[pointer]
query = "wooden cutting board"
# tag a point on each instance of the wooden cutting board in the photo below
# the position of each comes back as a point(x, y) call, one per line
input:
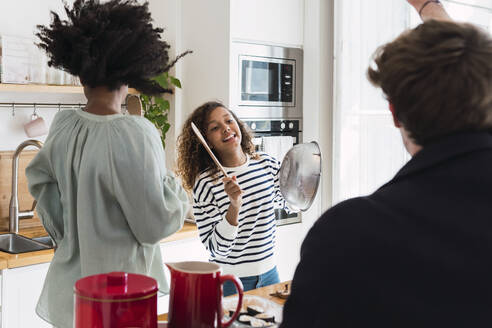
point(25, 199)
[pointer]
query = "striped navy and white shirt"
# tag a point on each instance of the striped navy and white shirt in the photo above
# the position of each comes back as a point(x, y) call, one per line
point(246, 249)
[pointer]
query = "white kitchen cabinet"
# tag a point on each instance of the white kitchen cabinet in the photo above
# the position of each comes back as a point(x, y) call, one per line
point(268, 21)
point(190, 249)
point(21, 288)
point(288, 241)
point(287, 249)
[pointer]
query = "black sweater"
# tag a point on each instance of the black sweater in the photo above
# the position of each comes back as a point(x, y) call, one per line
point(416, 253)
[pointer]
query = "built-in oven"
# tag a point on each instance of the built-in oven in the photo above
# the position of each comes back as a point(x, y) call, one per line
point(277, 129)
point(266, 81)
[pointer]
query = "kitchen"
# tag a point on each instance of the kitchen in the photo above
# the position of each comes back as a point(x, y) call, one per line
point(204, 76)
point(181, 21)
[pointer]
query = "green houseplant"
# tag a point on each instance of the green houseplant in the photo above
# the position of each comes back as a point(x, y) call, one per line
point(156, 109)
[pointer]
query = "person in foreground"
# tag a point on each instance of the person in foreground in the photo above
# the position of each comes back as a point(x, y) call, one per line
point(417, 252)
point(235, 216)
point(103, 192)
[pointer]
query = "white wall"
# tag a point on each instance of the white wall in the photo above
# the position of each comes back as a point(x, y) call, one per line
point(166, 14)
point(268, 21)
point(318, 88)
point(20, 18)
point(205, 73)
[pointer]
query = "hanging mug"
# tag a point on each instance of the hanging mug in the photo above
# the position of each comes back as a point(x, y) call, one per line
point(36, 126)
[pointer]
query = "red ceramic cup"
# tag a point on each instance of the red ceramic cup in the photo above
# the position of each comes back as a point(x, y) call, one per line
point(116, 299)
point(195, 298)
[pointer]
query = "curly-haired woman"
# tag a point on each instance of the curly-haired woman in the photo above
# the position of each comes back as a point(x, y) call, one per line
point(235, 216)
point(104, 194)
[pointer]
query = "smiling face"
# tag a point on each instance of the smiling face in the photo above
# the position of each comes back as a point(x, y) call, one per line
point(223, 132)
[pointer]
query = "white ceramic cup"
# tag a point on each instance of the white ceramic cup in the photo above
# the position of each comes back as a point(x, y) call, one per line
point(36, 126)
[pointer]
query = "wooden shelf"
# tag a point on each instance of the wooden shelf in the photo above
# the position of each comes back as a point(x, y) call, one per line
point(45, 88)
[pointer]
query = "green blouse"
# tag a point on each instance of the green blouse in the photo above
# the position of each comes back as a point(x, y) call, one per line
point(106, 198)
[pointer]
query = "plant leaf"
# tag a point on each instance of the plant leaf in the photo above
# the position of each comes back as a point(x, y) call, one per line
point(154, 111)
point(175, 81)
point(162, 103)
point(162, 80)
point(144, 98)
point(161, 120)
point(165, 128)
point(156, 108)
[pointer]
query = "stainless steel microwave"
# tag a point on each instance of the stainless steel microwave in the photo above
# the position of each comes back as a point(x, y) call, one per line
point(266, 81)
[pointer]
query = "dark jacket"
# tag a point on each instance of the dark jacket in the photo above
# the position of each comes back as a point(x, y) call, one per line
point(416, 253)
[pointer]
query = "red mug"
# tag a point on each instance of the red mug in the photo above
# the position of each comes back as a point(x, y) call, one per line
point(195, 298)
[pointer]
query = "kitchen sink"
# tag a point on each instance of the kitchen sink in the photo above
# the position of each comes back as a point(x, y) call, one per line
point(46, 240)
point(15, 244)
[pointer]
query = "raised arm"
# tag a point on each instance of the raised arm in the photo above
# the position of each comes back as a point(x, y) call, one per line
point(430, 9)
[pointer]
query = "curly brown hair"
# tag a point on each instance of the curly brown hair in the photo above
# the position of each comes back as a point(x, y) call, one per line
point(193, 159)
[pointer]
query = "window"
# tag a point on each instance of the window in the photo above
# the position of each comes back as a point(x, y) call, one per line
point(368, 150)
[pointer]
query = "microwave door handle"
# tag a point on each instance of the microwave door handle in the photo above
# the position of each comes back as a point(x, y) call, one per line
point(248, 78)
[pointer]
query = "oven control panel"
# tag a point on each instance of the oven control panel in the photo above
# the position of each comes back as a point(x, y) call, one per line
point(274, 125)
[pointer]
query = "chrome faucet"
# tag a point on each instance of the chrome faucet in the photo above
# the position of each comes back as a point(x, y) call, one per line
point(14, 213)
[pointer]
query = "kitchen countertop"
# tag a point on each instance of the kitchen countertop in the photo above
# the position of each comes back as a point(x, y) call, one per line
point(272, 289)
point(262, 292)
point(10, 261)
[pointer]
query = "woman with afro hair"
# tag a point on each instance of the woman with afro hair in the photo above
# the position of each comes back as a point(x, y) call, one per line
point(104, 194)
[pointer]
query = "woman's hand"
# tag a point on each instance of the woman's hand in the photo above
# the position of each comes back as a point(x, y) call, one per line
point(232, 189)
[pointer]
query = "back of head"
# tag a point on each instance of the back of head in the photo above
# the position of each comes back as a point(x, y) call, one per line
point(107, 44)
point(438, 76)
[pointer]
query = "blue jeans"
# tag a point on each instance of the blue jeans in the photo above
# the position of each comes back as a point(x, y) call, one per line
point(253, 282)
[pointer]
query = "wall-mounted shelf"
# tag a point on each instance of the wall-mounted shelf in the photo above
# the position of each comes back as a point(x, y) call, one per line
point(45, 88)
